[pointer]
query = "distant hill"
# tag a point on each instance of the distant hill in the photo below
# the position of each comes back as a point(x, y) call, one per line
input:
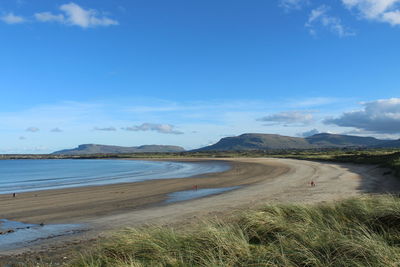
point(255, 141)
point(338, 140)
point(390, 144)
point(87, 149)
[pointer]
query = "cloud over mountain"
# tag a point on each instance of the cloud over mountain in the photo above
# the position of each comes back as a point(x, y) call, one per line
point(308, 133)
point(380, 116)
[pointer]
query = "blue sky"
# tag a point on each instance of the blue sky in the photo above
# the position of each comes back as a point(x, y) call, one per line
point(133, 72)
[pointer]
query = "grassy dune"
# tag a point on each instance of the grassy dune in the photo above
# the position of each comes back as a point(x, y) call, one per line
point(355, 232)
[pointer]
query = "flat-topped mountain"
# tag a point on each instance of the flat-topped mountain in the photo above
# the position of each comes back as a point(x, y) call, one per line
point(87, 149)
point(255, 141)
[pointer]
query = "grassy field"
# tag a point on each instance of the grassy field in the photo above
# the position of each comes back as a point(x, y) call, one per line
point(355, 232)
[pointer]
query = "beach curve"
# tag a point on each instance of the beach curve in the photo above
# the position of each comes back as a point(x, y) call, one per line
point(262, 180)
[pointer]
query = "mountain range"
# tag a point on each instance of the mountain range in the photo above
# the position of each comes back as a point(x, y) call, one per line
point(88, 149)
point(248, 141)
point(255, 141)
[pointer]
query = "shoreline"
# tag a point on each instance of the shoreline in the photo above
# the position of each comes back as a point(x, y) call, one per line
point(80, 204)
point(128, 174)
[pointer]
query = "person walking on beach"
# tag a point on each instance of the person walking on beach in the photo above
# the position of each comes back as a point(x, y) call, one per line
point(312, 183)
point(13, 194)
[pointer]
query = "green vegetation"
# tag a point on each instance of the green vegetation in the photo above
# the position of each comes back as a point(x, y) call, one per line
point(354, 232)
point(384, 158)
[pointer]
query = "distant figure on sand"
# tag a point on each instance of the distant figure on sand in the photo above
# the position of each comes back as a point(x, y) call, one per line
point(13, 194)
point(195, 187)
point(312, 184)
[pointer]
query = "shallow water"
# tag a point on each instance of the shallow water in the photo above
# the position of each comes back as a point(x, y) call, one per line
point(33, 175)
point(24, 235)
point(199, 193)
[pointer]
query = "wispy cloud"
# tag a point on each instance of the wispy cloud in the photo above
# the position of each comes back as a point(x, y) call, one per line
point(10, 18)
point(380, 10)
point(288, 117)
point(320, 17)
point(49, 17)
point(160, 128)
point(105, 129)
point(312, 102)
point(56, 130)
point(76, 15)
point(289, 5)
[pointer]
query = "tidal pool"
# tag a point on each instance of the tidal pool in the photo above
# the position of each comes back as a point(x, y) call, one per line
point(18, 235)
point(199, 193)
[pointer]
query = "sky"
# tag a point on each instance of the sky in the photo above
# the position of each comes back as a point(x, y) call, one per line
point(188, 73)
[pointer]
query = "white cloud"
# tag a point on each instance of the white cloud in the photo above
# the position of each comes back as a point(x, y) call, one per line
point(289, 117)
point(10, 18)
point(380, 10)
point(85, 18)
point(320, 16)
point(293, 4)
point(75, 15)
point(49, 17)
point(393, 17)
point(160, 128)
point(380, 116)
point(32, 129)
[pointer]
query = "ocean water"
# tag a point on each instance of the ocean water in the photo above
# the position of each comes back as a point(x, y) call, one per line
point(32, 175)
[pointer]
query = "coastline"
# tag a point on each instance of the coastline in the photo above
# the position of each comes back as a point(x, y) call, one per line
point(80, 204)
point(104, 209)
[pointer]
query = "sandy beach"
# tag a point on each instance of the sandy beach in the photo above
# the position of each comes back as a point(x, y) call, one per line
point(92, 202)
point(263, 181)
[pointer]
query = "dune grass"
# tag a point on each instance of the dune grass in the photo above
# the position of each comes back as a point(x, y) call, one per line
point(362, 231)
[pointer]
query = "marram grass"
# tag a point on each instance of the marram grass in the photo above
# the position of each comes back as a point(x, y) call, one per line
point(362, 231)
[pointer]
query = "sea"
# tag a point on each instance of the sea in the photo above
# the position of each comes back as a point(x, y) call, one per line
point(18, 176)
